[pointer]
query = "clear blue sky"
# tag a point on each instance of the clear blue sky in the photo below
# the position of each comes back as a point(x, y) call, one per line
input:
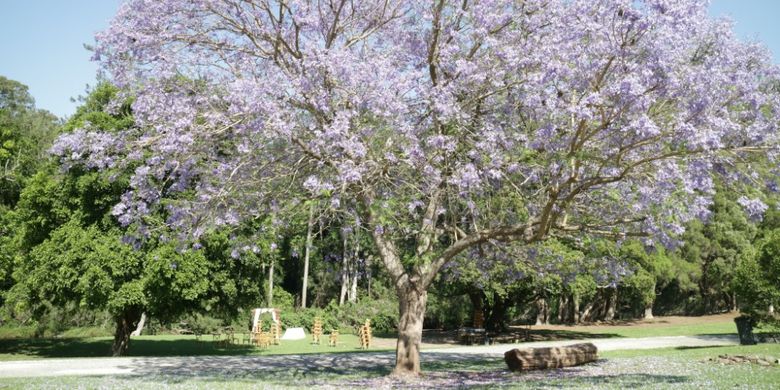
point(41, 41)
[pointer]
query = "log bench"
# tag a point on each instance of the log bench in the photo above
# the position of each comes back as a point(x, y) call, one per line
point(550, 357)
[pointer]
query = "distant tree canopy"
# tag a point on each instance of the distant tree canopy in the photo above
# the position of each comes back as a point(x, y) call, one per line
point(26, 134)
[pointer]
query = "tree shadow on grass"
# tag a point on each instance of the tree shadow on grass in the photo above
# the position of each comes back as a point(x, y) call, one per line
point(552, 335)
point(625, 381)
point(685, 348)
point(101, 347)
point(515, 335)
point(271, 368)
point(370, 370)
point(64, 347)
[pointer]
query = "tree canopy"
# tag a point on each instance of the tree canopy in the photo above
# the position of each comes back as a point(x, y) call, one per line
point(435, 126)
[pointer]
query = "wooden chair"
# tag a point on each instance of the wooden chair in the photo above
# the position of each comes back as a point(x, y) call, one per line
point(365, 335)
point(334, 338)
point(316, 331)
point(276, 332)
point(264, 339)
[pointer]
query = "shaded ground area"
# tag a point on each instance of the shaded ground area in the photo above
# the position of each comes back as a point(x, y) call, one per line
point(443, 371)
point(16, 349)
point(297, 367)
point(658, 326)
point(637, 327)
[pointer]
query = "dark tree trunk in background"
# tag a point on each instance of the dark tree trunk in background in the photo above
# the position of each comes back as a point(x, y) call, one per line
point(575, 309)
point(704, 288)
point(477, 298)
point(609, 314)
point(125, 324)
point(563, 302)
point(495, 321)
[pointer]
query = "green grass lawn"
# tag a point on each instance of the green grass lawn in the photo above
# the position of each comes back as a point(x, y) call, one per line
point(17, 348)
point(610, 331)
point(163, 345)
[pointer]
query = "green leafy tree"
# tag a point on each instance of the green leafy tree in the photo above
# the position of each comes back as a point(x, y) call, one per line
point(25, 135)
point(653, 270)
point(757, 280)
point(71, 249)
point(718, 247)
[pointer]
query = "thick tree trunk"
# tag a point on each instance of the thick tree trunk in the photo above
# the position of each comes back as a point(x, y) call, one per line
point(140, 327)
point(309, 239)
point(410, 325)
point(125, 323)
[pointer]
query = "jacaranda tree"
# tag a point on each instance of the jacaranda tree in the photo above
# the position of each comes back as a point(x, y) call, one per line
point(435, 125)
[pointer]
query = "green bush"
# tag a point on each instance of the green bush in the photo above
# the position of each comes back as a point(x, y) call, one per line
point(9, 331)
point(450, 312)
point(283, 300)
point(383, 314)
point(347, 318)
point(757, 281)
point(201, 324)
point(304, 318)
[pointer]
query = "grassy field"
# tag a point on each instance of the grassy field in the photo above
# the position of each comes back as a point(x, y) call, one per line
point(16, 344)
point(179, 345)
point(610, 331)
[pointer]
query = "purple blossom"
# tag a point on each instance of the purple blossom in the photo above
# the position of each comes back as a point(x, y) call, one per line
point(754, 208)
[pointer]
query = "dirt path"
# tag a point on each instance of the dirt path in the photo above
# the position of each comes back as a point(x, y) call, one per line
point(327, 364)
